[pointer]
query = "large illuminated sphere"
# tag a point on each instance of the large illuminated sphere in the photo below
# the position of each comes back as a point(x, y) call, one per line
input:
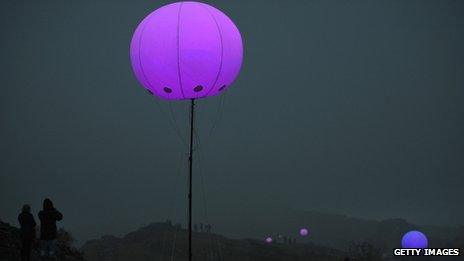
point(414, 239)
point(186, 50)
point(268, 240)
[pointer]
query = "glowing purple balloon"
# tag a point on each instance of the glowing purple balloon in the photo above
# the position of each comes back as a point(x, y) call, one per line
point(186, 50)
point(304, 232)
point(268, 240)
point(414, 239)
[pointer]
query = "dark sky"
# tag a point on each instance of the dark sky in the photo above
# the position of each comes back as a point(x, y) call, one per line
point(350, 107)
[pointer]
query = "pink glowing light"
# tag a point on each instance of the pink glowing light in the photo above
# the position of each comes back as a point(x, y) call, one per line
point(304, 232)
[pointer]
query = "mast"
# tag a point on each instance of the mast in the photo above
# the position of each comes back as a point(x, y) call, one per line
point(192, 114)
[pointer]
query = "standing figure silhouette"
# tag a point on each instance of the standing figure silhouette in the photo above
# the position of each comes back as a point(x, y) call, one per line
point(27, 223)
point(48, 231)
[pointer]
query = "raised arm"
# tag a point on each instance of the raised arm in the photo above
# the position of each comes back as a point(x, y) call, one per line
point(58, 215)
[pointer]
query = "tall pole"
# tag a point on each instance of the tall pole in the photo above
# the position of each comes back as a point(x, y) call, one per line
point(192, 109)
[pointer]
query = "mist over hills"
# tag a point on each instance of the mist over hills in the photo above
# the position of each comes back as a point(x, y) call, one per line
point(162, 241)
point(331, 237)
point(332, 230)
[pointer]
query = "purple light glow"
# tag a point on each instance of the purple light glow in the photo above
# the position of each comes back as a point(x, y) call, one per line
point(268, 240)
point(414, 239)
point(304, 232)
point(186, 50)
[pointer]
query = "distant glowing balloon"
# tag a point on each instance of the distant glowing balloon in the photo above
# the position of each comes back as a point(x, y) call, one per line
point(414, 239)
point(304, 232)
point(186, 50)
point(268, 240)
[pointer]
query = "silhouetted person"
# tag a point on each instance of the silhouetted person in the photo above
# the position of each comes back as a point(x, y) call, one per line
point(48, 231)
point(27, 223)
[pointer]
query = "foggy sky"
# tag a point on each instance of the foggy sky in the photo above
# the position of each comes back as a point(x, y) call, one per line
point(350, 107)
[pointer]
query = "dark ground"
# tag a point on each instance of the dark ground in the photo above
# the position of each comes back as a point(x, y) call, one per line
point(10, 245)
